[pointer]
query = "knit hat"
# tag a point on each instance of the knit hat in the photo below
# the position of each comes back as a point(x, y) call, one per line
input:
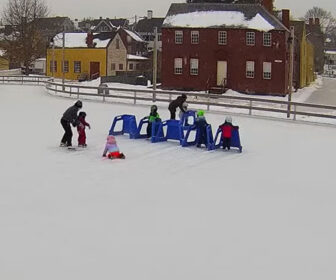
point(200, 113)
point(228, 119)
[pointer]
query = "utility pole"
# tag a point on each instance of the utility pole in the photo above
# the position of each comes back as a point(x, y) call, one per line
point(155, 59)
point(291, 68)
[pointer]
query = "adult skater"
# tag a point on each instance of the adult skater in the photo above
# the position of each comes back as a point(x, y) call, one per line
point(178, 102)
point(69, 117)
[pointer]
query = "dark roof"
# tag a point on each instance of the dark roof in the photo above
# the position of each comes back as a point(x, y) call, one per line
point(147, 25)
point(105, 35)
point(51, 22)
point(249, 11)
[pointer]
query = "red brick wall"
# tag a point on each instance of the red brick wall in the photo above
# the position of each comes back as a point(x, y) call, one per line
point(236, 53)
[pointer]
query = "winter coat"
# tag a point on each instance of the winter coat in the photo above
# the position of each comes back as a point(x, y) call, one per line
point(111, 145)
point(178, 102)
point(201, 122)
point(227, 129)
point(154, 116)
point(82, 123)
point(70, 115)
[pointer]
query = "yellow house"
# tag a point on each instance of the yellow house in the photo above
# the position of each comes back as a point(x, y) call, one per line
point(4, 64)
point(305, 55)
point(83, 62)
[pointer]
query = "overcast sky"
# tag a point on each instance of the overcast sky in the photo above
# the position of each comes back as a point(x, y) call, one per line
point(128, 8)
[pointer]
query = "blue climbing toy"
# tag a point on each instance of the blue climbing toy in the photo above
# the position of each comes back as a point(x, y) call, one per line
point(174, 131)
point(235, 140)
point(129, 125)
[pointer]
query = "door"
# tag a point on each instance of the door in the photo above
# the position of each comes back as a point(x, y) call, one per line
point(94, 70)
point(221, 73)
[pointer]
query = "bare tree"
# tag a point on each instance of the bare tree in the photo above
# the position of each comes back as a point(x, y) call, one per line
point(327, 21)
point(23, 45)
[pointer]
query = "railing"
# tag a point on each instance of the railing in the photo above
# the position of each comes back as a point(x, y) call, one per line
point(19, 79)
point(213, 102)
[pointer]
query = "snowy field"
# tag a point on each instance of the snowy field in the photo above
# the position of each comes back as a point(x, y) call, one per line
point(166, 212)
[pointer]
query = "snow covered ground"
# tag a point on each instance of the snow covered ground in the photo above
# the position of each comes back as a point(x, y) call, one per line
point(166, 212)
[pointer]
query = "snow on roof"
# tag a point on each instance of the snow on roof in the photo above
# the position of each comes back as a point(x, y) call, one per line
point(136, 57)
point(203, 19)
point(77, 40)
point(135, 36)
point(331, 52)
point(2, 52)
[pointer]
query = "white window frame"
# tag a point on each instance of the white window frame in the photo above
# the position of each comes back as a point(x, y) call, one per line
point(178, 37)
point(194, 65)
point(267, 39)
point(194, 36)
point(250, 38)
point(250, 69)
point(178, 66)
point(267, 70)
point(222, 38)
point(77, 67)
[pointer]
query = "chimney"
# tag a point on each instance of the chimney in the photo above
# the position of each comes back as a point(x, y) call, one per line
point(311, 21)
point(317, 21)
point(100, 18)
point(268, 4)
point(149, 14)
point(285, 18)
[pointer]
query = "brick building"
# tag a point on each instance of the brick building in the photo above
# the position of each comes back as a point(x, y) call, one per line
point(238, 46)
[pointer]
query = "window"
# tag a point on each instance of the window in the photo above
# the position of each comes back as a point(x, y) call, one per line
point(194, 37)
point(53, 68)
point(178, 37)
point(117, 44)
point(178, 66)
point(66, 66)
point(77, 67)
point(267, 39)
point(131, 66)
point(113, 67)
point(222, 37)
point(121, 66)
point(267, 70)
point(193, 66)
point(249, 69)
point(250, 38)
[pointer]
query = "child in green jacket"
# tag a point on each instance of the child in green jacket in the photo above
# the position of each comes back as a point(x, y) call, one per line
point(153, 117)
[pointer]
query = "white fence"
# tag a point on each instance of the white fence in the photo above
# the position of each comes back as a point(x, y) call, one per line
point(214, 102)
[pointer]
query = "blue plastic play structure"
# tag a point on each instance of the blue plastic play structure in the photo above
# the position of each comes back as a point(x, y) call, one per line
point(179, 130)
point(235, 140)
point(129, 125)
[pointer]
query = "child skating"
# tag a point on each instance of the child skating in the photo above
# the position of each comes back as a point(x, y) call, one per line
point(227, 127)
point(111, 149)
point(81, 129)
point(153, 117)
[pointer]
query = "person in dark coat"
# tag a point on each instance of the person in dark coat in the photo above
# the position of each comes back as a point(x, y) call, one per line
point(177, 103)
point(201, 125)
point(69, 117)
point(227, 127)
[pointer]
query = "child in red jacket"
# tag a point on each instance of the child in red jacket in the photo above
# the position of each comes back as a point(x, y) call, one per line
point(227, 129)
point(81, 129)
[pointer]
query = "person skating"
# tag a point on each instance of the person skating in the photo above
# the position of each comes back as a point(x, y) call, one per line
point(153, 117)
point(69, 117)
point(81, 129)
point(201, 125)
point(111, 148)
point(178, 102)
point(227, 128)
